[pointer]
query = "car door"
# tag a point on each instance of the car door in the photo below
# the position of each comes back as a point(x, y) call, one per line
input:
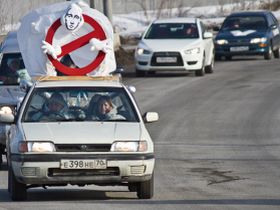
point(275, 30)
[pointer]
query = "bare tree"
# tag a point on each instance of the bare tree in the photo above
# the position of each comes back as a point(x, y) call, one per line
point(3, 15)
point(144, 6)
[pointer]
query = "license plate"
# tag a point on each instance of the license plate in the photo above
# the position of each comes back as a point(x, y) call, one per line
point(166, 59)
point(239, 49)
point(83, 164)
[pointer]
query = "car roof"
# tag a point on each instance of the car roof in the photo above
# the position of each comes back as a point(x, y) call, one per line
point(177, 20)
point(10, 43)
point(250, 13)
point(78, 81)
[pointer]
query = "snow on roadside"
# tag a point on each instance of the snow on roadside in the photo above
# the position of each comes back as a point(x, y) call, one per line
point(134, 24)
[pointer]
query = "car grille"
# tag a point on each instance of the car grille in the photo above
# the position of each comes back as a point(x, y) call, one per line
point(177, 55)
point(56, 172)
point(83, 147)
point(239, 41)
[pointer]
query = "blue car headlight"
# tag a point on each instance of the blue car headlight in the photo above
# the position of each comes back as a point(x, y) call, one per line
point(258, 40)
point(221, 41)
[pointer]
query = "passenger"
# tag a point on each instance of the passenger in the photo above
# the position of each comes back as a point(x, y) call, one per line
point(67, 61)
point(14, 65)
point(55, 109)
point(105, 110)
point(11, 76)
point(191, 32)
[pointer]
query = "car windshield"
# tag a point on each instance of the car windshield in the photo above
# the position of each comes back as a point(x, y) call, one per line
point(256, 23)
point(79, 104)
point(172, 31)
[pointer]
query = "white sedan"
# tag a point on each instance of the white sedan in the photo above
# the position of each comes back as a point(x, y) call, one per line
point(79, 131)
point(178, 44)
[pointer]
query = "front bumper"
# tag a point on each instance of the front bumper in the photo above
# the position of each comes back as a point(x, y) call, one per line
point(253, 49)
point(184, 62)
point(45, 169)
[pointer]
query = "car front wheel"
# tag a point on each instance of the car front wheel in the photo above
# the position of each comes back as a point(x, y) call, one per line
point(2, 152)
point(145, 190)
point(276, 53)
point(16, 189)
point(209, 69)
point(268, 54)
point(140, 73)
point(201, 72)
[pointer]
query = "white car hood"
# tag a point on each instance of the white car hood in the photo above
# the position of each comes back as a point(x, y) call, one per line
point(164, 45)
point(81, 132)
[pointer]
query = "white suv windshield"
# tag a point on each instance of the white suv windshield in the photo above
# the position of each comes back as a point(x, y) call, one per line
point(79, 104)
point(172, 31)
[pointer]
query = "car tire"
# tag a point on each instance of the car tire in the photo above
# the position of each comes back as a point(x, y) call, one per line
point(140, 73)
point(201, 72)
point(228, 57)
point(276, 53)
point(210, 69)
point(132, 187)
point(16, 189)
point(218, 58)
point(2, 152)
point(145, 190)
point(151, 72)
point(268, 55)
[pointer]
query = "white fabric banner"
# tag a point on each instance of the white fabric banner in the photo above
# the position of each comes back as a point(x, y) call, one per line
point(35, 26)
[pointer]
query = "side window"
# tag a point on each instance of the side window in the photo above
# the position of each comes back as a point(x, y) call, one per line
point(271, 22)
point(275, 21)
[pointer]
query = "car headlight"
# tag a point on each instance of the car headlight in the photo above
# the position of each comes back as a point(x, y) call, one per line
point(141, 51)
point(129, 146)
point(36, 147)
point(221, 41)
point(258, 40)
point(193, 51)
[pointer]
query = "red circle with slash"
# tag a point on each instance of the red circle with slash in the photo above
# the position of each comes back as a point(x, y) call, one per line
point(98, 33)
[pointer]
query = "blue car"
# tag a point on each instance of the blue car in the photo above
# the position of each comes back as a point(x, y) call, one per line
point(248, 33)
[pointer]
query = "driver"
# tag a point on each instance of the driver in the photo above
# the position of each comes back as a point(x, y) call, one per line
point(55, 109)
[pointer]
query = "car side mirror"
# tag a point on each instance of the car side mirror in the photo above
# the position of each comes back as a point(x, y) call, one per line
point(131, 89)
point(138, 36)
point(273, 27)
point(25, 85)
point(8, 118)
point(207, 35)
point(150, 117)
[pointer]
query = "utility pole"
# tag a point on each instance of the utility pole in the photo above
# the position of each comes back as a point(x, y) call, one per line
point(107, 9)
point(92, 4)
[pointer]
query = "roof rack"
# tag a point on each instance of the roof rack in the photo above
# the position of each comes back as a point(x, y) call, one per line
point(73, 78)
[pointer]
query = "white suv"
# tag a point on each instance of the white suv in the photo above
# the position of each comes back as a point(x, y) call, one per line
point(76, 145)
point(177, 44)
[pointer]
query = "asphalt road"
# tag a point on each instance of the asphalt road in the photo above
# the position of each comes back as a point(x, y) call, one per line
point(217, 144)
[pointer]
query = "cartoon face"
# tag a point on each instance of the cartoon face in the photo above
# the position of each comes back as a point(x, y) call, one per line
point(73, 17)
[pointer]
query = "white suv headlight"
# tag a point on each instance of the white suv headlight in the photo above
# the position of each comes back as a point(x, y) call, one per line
point(193, 51)
point(141, 51)
point(258, 40)
point(36, 147)
point(129, 146)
